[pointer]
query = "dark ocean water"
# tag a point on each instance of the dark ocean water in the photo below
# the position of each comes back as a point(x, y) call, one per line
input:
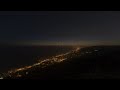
point(18, 56)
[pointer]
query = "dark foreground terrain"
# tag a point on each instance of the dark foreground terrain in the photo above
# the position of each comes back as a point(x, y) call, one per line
point(97, 62)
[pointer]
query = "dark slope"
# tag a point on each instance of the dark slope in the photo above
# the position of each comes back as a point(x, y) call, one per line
point(98, 62)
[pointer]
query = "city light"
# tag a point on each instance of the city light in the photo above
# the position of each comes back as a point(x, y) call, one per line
point(46, 62)
point(1, 77)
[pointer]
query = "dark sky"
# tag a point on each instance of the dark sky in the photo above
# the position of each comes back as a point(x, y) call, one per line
point(59, 27)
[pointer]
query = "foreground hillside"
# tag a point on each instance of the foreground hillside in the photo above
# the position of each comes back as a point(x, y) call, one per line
point(97, 62)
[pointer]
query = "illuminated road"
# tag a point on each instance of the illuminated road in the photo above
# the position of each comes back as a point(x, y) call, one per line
point(44, 63)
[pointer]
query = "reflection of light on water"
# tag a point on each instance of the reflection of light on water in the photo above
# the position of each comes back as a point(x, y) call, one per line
point(50, 61)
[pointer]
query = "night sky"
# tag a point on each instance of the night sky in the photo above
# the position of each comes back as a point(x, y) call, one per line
point(60, 27)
